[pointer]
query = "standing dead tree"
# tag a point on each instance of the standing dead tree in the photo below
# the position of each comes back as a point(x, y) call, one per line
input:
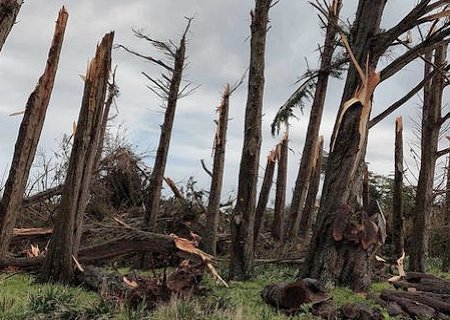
point(431, 124)
point(398, 232)
point(212, 214)
point(280, 193)
point(264, 194)
point(64, 246)
point(28, 138)
point(320, 86)
point(168, 89)
point(9, 9)
point(347, 264)
point(242, 228)
point(310, 202)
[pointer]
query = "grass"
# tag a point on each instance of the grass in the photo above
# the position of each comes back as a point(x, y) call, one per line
point(21, 298)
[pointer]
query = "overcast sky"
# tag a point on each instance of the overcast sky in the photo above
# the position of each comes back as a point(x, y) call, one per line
point(218, 53)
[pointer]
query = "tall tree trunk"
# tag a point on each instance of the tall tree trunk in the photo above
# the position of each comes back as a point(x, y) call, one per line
point(280, 193)
point(264, 194)
point(9, 9)
point(28, 138)
point(398, 232)
point(315, 119)
point(241, 265)
point(431, 115)
point(159, 166)
point(58, 265)
point(212, 215)
point(306, 221)
point(446, 259)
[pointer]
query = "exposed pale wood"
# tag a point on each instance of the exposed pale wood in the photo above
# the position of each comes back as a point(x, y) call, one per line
point(280, 192)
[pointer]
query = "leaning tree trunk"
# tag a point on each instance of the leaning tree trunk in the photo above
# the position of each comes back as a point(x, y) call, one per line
point(280, 193)
point(28, 139)
point(398, 227)
point(212, 215)
point(431, 115)
point(306, 221)
point(241, 265)
point(315, 119)
point(9, 9)
point(58, 265)
point(159, 167)
point(264, 194)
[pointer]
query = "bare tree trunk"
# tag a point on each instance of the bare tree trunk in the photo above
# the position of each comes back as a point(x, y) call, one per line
point(446, 259)
point(28, 138)
point(398, 232)
point(212, 216)
point(159, 167)
point(315, 119)
point(58, 265)
point(431, 115)
point(306, 221)
point(264, 194)
point(9, 9)
point(280, 194)
point(241, 265)
point(365, 189)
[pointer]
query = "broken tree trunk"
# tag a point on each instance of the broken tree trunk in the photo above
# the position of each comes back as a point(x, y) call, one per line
point(431, 115)
point(310, 203)
point(280, 193)
point(28, 138)
point(65, 244)
point(315, 119)
point(159, 166)
point(243, 221)
point(264, 194)
point(398, 227)
point(9, 9)
point(212, 215)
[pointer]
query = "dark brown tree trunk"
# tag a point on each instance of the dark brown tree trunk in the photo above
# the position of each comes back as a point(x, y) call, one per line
point(28, 138)
point(280, 193)
point(264, 194)
point(365, 189)
point(315, 119)
point(241, 265)
point(310, 203)
point(446, 259)
point(212, 215)
point(9, 9)
point(431, 115)
point(159, 166)
point(398, 232)
point(58, 265)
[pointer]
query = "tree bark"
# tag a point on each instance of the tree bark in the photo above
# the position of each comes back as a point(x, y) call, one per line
point(264, 194)
point(212, 215)
point(28, 138)
point(280, 193)
point(157, 176)
point(9, 9)
point(306, 221)
point(446, 259)
point(431, 115)
point(398, 232)
point(58, 265)
point(315, 119)
point(241, 265)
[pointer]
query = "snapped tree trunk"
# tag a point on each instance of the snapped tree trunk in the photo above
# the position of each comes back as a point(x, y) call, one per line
point(28, 138)
point(264, 194)
point(398, 227)
point(212, 215)
point(9, 9)
point(315, 119)
point(431, 115)
point(310, 203)
point(159, 166)
point(242, 229)
point(280, 193)
point(58, 265)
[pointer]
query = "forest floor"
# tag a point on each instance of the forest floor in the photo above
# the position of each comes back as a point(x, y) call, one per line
point(22, 298)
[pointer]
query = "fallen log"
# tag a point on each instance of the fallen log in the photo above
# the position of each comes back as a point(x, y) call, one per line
point(439, 302)
point(41, 196)
point(30, 235)
point(411, 307)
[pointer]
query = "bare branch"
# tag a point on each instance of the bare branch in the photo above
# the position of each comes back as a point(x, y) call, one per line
point(442, 152)
point(202, 161)
point(444, 118)
point(149, 58)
